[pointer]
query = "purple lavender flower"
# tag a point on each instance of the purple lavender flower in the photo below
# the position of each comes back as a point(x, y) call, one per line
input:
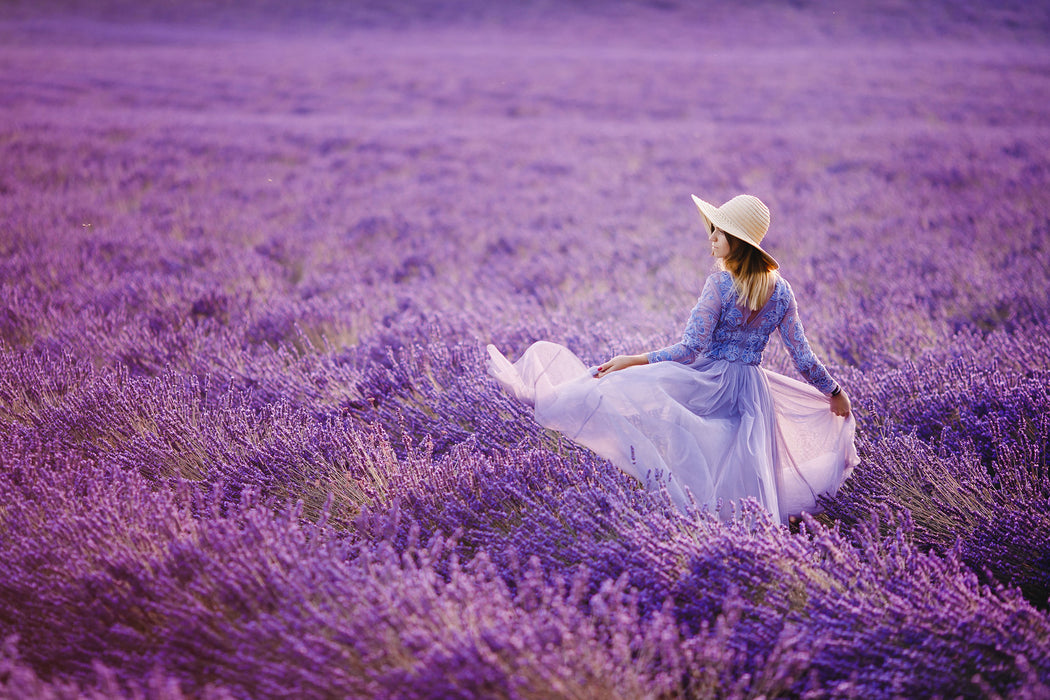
point(249, 258)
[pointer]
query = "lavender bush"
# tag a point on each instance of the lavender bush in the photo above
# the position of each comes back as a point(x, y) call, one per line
point(251, 256)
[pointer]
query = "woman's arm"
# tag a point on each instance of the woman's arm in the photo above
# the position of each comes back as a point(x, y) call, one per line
point(794, 336)
point(695, 339)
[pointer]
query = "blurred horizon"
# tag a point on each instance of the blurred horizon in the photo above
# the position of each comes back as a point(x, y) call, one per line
point(656, 23)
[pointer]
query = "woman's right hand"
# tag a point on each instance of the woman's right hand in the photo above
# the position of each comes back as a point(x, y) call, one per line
point(840, 404)
point(620, 362)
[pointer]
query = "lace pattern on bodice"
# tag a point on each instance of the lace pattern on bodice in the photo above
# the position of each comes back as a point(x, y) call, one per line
point(718, 329)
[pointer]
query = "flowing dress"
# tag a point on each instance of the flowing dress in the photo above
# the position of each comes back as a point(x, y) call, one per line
point(702, 419)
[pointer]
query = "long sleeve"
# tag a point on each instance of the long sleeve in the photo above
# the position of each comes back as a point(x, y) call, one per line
point(806, 362)
point(698, 331)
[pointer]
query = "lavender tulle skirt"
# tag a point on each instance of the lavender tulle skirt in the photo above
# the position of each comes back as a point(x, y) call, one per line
point(710, 431)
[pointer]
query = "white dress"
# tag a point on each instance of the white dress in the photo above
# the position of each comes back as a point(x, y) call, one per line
point(703, 419)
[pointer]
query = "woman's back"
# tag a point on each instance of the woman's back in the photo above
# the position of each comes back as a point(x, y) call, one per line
point(740, 335)
point(719, 328)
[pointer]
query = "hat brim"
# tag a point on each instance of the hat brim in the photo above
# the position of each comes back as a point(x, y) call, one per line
point(713, 217)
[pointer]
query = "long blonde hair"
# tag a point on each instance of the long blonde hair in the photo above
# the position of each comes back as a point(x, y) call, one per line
point(753, 273)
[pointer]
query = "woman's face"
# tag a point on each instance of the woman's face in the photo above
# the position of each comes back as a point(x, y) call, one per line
point(719, 242)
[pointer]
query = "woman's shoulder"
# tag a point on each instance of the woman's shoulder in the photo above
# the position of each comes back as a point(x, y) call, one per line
point(720, 281)
point(784, 295)
point(720, 278)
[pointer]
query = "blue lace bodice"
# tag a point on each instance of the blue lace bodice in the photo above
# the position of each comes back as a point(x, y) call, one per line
point(718, 329)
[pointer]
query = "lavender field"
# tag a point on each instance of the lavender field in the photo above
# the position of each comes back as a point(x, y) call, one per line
point(250, 259)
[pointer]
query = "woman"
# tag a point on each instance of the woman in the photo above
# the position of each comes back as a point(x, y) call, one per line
point(700, 417)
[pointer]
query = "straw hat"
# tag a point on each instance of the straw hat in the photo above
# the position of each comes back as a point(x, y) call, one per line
point(744, 217)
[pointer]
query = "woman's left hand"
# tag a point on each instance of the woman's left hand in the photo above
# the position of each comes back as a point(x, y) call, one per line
point(840, 405)
point(620, 362)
